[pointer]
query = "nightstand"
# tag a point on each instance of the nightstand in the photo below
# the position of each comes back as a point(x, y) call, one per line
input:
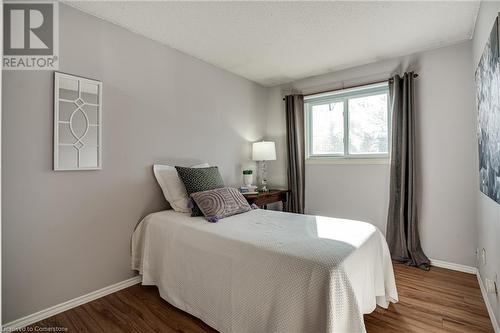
point(262, 199)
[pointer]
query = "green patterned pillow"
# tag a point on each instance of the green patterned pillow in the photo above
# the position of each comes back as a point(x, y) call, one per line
point(198, 180)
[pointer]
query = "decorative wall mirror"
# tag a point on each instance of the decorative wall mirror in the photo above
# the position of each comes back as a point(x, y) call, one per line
point(77, 123)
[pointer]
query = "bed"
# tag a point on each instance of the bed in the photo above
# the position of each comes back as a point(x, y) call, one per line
point(267, 271)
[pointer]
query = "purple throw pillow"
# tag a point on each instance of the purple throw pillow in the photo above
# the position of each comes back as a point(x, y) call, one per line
point(221, 202)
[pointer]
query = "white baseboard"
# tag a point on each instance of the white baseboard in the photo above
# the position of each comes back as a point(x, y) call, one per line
point(494, 322)
point(72, 303)
point(453, 266)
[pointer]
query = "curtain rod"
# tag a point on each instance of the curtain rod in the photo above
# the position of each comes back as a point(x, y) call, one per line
point(415, 75)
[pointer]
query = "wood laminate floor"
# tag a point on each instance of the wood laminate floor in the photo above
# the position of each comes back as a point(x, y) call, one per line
point(439, 300)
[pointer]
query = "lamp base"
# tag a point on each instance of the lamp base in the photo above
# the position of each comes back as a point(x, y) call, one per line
point(263, 189)
point(263, 177)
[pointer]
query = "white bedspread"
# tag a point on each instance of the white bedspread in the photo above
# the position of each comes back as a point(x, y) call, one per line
point(267, 271)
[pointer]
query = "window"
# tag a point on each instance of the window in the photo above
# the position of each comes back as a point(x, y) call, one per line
point(351, 123)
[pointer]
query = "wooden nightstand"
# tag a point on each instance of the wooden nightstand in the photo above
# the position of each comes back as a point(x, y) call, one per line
point(262, 199)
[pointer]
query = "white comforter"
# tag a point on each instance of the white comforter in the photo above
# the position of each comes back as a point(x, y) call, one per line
point(267, 271)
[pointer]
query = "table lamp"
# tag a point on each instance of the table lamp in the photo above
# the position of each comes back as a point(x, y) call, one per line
point(263, 151)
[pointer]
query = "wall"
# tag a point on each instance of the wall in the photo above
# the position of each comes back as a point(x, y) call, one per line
point(68, 233)
point(488, 217)
point(446, 151)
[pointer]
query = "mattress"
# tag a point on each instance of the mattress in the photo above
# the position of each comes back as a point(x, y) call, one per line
point(267, 271)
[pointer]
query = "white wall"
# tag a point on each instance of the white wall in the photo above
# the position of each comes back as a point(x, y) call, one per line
point(446, 152)
point(488, 218)
point(357, 192)
point(276, 131)
point(66, 234)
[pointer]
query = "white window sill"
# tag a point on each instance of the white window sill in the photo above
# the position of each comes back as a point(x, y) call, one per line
point(343, 160)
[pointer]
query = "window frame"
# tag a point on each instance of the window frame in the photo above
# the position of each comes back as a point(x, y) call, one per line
point(344, 96)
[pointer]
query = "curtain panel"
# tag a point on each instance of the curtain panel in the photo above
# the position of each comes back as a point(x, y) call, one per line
point(402, 221)
point(295, 141)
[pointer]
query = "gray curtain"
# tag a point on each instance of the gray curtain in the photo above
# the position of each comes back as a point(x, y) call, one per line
point(402, 221)
point(295, 141)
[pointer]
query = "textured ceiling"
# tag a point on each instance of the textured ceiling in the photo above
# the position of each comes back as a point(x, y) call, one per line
point(277, 42)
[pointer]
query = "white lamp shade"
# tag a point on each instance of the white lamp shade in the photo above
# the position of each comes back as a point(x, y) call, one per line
point(264, 151)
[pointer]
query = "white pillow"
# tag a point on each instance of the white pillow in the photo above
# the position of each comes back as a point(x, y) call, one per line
point(172, 186)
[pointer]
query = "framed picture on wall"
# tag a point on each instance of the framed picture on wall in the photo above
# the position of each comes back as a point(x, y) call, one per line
point(77, 123)
point(487, 79)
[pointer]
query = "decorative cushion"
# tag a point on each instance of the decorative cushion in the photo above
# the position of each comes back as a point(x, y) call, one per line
point(198, 180)
point(172, 186)
point(221, 202)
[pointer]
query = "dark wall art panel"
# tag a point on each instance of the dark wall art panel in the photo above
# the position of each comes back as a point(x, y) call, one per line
point(488, 102)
